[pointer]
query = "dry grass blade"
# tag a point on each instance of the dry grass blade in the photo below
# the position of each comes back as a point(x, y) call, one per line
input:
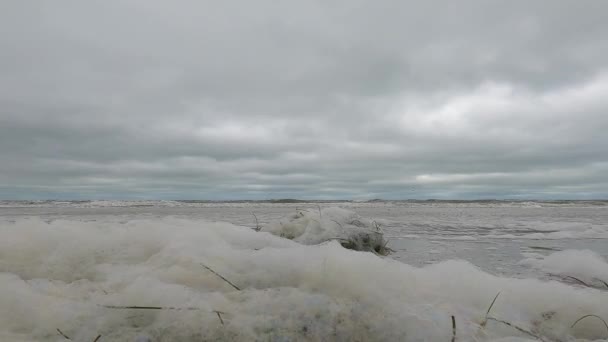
point(603, 282)
point(97, 338)
point(219, 315)
point(64, 335)
point(338, 224)
point(491, 305)
point(386, 250)
point(136, 307)
point(385, 244)
point(578, 280)
point(485, 320)
point(319, 207)
point(529, 333)
point(586, 316)
point(453, 328)
point(488, 318)
point(257, 223)
point(222, 277)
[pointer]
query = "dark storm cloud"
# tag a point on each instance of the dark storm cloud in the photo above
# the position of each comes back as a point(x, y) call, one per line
point(356, 99)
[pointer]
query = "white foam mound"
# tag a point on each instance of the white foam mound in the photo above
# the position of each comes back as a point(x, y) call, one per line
point(79, 277)
point(312, 227)
point(583, 266)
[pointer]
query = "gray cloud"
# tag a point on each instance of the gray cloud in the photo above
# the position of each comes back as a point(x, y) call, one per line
point(335, 99)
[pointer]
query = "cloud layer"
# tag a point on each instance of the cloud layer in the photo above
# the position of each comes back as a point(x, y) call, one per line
point(318, 99)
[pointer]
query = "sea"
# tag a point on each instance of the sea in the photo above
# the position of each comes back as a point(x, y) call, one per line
point(168, 271)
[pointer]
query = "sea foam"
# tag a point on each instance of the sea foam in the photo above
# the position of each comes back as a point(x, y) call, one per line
point(217, 281)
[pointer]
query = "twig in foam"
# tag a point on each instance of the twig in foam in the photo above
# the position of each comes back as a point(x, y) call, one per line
point(222, 277)
point(64, 335)
point(586, 316)
point(97, 338)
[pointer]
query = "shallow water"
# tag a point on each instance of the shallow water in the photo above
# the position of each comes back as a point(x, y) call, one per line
point(63, 263)
point(490, 234)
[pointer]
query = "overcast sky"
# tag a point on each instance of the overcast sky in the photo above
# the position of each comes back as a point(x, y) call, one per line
point(308, 99)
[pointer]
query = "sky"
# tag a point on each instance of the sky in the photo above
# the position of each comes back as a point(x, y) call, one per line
point(146, 99)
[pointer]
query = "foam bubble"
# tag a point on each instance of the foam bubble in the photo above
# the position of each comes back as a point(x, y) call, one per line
point(584, 265)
